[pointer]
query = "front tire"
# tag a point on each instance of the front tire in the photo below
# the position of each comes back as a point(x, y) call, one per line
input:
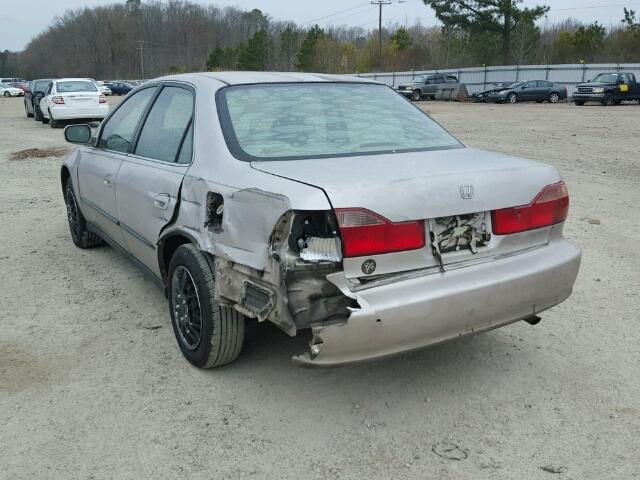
point(512, 98)
point(607, 101)
point(81, 237)
point(416, 96)
point(208, 334)
point(7, 94)
point(579, 103)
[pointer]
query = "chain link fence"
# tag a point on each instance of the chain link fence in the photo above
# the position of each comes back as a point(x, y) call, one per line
point(479, 78)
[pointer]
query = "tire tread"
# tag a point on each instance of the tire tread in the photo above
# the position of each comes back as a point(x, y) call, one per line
point(227, 332)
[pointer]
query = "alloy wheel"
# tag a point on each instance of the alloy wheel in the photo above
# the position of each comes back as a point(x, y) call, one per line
point(554, 98)
point(187, 313)
point(512, 98)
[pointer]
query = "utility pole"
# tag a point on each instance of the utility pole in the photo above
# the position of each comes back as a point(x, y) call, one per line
point(380, 4)
point(141, 48)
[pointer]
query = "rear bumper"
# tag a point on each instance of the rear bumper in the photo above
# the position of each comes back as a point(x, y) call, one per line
point(429, 309)
point(70, 113)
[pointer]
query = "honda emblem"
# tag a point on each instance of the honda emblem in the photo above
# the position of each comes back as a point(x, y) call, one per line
point(466, 191)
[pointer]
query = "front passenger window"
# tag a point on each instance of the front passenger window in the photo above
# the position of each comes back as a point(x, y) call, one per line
point(118, 132)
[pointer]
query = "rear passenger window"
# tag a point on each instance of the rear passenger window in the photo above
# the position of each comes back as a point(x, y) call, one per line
point(119, 129)
point(165, 126)
point(186, 152)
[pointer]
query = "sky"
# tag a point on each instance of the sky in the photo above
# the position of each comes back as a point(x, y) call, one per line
point(19, 24)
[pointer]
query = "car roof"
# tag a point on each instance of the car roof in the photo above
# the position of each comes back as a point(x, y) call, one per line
point(73, 80)
point(243, 78)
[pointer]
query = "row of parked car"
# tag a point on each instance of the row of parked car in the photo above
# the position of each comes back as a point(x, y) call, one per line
point(605, 88)
point(52, 101)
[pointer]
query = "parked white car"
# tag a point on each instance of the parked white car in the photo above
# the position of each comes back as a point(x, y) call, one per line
point(72, 99)
point(9, 91)
point(103, 88)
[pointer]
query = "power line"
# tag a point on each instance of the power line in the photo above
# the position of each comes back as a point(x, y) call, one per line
point(335, 13)
point(588, 7)
point(360, 12)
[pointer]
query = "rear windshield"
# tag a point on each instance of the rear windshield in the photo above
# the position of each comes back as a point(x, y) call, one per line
point(41, 86)
point(318, 120)
point(76, 86)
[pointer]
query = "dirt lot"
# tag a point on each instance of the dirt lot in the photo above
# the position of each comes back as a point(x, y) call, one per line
point(93, 386)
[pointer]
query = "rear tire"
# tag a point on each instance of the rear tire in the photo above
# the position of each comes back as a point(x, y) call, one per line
point(208, 334)
point(37, 114)
point(554, 97)
point(579, 103)
point(81, 237)
point(7, 94)
point(53, 123)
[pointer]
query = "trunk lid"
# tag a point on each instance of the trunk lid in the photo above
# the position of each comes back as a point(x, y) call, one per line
point(82, 99)
point(419, 185)
point(426, 186)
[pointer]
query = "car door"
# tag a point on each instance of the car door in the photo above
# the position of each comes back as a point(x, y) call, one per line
point(150, 178)
point(44, 102)
point(98, 166)
point(28, 97)
point(543, 90)
point(524, 92)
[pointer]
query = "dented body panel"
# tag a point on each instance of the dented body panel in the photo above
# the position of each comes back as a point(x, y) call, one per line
point(270, 234)
point(437, 306)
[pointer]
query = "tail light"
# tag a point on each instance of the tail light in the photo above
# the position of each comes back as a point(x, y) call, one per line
point(366, 233)
point(103, 99)
point(58, 100)
point(549, 207)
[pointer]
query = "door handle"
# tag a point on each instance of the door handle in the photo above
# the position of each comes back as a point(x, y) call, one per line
point(161, 201)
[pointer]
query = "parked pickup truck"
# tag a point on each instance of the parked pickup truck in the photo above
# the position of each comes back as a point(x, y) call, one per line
point(425, 86)
point(608, 89)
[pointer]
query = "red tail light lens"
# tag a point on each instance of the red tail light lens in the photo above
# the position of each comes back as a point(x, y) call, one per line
point(549, 207)
point(58, 100)
point(366, 233)
point(103, 99)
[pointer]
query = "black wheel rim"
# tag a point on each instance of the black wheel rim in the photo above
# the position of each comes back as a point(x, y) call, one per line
point(185, 303)
point(72, 214)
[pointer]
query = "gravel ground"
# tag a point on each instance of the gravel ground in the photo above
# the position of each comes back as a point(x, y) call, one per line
point(93, 386)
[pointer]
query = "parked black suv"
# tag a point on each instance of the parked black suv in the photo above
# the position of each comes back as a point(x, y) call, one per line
point(608, 89)
point(32, 97)
point(119, 88)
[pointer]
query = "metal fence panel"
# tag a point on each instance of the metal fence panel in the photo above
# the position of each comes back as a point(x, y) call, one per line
point(479, 78)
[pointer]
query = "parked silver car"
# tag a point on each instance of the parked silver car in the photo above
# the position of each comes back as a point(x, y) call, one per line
point(316, 202)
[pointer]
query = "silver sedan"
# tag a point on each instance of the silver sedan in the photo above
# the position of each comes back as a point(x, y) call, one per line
point(320, 203)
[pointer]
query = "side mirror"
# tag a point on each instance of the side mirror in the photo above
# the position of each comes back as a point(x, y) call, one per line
point(77, 134)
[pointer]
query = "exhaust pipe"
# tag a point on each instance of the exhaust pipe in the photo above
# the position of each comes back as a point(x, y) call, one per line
point(533, 320)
